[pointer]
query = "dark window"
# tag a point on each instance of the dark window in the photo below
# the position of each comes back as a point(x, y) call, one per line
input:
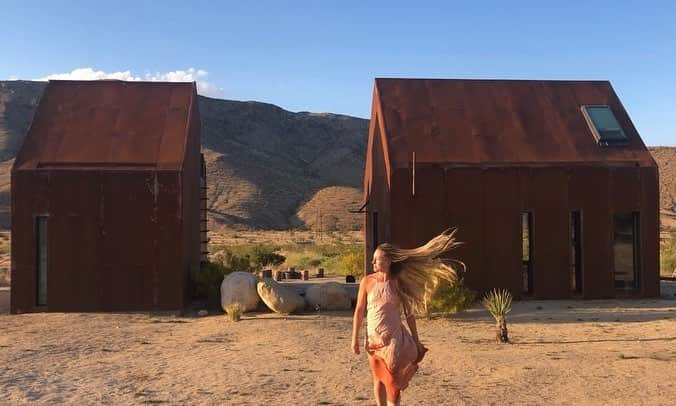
point(575, 253)
point(626, 250)
point(604, 126)
point(41, 260)
point(526, 252)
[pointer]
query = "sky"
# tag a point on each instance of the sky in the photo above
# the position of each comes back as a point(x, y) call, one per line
point(322, 56)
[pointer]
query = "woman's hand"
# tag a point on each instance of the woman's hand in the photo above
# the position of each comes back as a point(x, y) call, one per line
point(421, 350)
point(355, 347)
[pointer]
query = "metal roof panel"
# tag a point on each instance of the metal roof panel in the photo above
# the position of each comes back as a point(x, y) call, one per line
point(499, 121)
point(114, 123)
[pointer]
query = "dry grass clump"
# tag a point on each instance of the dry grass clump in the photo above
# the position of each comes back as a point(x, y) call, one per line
point(234, 311)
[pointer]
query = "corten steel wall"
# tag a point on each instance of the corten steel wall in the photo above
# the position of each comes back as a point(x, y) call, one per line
point(486, 205)
point(488, 150)
point(119, 236)
point(377, 191)
point(190, 184)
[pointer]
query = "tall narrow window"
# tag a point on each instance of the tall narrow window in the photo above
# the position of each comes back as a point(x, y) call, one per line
point(626, 250)
point(575, 253)
point(41, 260)
point(526, 251)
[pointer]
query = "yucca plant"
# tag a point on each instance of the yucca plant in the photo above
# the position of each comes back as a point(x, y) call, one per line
point(499, 303)
point(234, 311)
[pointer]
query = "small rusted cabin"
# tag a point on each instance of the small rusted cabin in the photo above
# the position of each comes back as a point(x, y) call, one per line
point(106, 198)
point(554, 193)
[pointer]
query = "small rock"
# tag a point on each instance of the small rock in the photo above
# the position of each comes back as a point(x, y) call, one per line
point(202, 313)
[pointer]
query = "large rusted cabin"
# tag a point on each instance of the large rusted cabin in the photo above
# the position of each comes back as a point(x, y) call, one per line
point(105, 198)
point(552, 189)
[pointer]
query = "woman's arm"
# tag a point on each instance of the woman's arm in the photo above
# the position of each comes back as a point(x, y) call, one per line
point(358, 315)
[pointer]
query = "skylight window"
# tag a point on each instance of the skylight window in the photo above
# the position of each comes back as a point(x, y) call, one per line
point(604, 126)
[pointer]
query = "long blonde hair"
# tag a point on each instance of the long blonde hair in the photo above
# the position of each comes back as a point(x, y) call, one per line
point(419, 271)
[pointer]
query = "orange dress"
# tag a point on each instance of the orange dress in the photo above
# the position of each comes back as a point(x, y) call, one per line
point(393, 353)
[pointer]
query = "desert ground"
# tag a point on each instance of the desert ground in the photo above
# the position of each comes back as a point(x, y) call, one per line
point(608, 352)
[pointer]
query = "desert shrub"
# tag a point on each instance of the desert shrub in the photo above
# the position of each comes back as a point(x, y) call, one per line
point(206, 279)
point(263, 255)
point(668, 255)
point(451, 298)
point(234, 311)
point(329, 250)
point(306, 262)
point(353, 263)
point(235, 262)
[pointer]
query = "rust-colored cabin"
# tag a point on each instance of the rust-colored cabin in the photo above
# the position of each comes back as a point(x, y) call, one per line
point(105, 198)
point(552, 189)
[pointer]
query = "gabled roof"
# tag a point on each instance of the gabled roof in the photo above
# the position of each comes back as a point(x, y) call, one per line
point(109, 124)
point(497, 122)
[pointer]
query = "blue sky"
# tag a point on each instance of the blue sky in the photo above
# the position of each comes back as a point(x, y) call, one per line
point(323, 56)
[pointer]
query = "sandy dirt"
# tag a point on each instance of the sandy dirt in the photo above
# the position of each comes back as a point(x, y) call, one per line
point(607, 352)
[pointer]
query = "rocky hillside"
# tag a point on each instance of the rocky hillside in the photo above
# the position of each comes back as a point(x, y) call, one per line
point(269, 168)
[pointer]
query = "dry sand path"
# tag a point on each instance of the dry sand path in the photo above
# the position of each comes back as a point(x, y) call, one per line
point(563, 352)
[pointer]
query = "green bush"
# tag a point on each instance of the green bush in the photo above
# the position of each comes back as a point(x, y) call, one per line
point(329, 250)
point(451, 298)
point(235, 262)
point(307, 262)
point(266, 255)
point(206, 279)
point(353, 263)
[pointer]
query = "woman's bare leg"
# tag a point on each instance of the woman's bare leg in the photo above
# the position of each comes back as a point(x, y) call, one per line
point(380, 393)
point(391, 403)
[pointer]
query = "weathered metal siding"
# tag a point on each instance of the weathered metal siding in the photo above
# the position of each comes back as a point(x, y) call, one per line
point(508, 146)
point(112, 241)
point(465, 210)
point(591, 190)
point(425, 212)
point(486, 205)
point(650, 231)
point(548, 192)
point(502, 227)
point(190, 187)
point(73, 240)
point(123, 220)
point(29, 198)
point(377, 192)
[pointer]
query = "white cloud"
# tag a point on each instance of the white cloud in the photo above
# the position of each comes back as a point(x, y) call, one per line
point(189, 75)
